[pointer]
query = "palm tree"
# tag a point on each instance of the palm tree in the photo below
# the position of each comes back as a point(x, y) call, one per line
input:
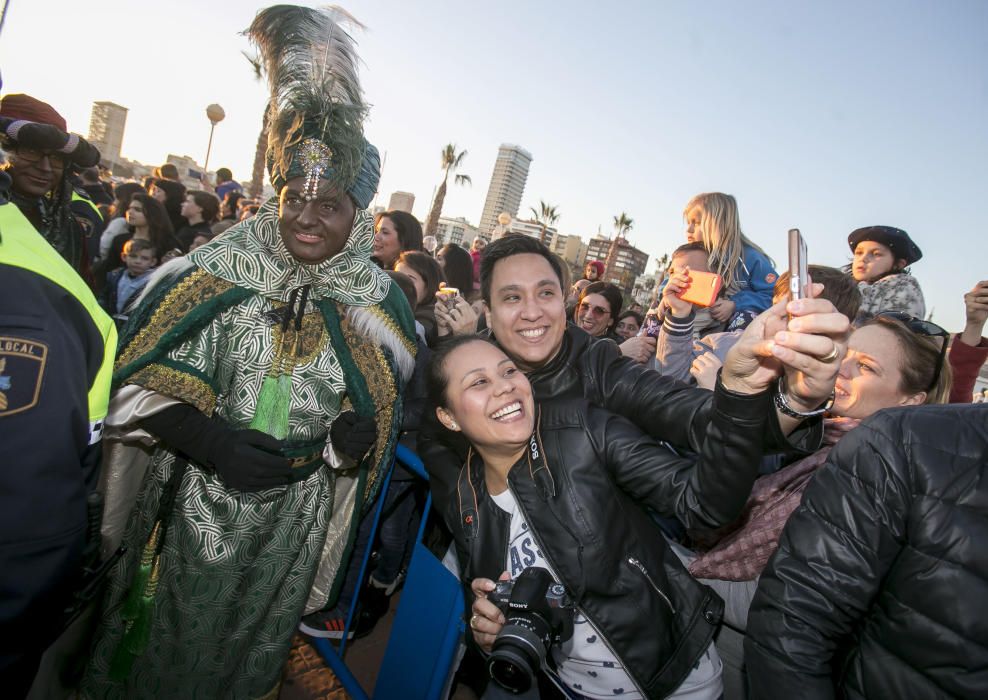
point(545, 215)
point(660, 275)
point(622, 224)
point(451, 161)
point(261, 149)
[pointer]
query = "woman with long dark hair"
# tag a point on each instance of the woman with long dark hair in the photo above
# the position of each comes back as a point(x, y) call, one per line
point(394, 233)
point(146, 218)
point(122, 194)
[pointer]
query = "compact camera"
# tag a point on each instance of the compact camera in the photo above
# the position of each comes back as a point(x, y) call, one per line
point(538, 613)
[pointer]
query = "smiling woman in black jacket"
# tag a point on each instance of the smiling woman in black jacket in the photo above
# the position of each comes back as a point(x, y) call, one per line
point(562, 486)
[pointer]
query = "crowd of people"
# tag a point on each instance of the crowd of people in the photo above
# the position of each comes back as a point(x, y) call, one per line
point(201, 395)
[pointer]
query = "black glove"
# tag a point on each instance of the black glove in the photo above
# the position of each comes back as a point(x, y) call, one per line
point(247, 460)
point(352, 435)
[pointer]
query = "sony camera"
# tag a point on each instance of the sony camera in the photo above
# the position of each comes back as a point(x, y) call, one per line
point(538, 613)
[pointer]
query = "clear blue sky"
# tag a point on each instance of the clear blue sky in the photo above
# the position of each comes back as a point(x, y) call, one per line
point(826, 116)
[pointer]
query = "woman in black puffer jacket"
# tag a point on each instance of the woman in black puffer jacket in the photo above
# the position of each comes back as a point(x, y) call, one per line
point(879, 584)
point(562, 487)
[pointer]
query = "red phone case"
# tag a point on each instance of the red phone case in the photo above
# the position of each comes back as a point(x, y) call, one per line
point(703, 290)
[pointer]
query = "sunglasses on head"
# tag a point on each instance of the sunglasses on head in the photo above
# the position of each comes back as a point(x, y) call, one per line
point(921, 327)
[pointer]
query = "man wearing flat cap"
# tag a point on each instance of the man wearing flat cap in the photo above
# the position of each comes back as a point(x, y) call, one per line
point(40, 186)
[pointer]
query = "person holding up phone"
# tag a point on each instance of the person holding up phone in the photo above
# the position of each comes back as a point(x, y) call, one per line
point(696, 361)
point(454, 314)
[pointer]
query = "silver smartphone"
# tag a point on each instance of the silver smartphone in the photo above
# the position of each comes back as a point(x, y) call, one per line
point(799, 276)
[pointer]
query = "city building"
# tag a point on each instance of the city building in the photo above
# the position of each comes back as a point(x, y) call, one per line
point(572, 249)
point(189, 171)
point(401, 201)
point(645, 289)
point(458, 231)
point(106, 130)
point(507, 185)
point(623, 263)
point(533, 229)
point(597, 248)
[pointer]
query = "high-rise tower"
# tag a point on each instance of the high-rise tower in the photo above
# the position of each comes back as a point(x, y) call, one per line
point(106, 129)
point(507, 185)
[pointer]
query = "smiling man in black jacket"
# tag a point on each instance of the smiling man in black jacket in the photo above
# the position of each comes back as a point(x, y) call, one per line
point(521, 283)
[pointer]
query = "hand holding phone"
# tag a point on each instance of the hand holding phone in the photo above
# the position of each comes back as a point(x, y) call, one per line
point(703, 290)
point(447, 295)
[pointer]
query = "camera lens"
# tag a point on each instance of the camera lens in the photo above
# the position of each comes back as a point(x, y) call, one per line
point(518, 652)
point(511, 671)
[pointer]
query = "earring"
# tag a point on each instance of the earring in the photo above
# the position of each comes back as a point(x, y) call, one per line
point(455, 426)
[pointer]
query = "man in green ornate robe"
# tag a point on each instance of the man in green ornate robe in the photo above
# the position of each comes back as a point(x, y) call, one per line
point(237, 569)
point(258, 402)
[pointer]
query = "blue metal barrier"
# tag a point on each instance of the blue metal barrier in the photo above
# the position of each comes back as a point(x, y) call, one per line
point(429, 623)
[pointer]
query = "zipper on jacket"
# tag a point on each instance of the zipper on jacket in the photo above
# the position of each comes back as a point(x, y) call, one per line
point(644, 572)
point(603, 637)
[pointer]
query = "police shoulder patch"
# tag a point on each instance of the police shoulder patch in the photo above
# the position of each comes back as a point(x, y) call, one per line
point(22, 368)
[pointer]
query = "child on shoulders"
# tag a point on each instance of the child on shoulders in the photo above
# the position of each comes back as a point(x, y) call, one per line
point(748, 273)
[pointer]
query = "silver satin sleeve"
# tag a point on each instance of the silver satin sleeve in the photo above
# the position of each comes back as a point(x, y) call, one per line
point(126, 455)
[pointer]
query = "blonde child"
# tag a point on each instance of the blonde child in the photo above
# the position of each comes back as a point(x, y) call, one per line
point(749, 274)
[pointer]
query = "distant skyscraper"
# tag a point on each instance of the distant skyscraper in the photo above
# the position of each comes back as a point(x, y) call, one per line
point(106, 129)
point(401, 201)
point(507, 185)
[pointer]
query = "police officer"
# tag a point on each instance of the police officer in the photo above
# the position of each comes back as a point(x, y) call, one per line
point(42, 188)
point(56, 356)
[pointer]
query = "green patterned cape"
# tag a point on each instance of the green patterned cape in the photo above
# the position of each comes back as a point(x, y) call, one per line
point(237, 570)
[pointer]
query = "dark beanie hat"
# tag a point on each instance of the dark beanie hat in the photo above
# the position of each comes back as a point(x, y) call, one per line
point(897, 240)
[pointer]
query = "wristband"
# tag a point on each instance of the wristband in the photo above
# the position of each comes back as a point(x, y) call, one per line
point(782, 403)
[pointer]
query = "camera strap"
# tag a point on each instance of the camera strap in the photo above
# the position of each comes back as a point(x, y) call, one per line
point(538, 470)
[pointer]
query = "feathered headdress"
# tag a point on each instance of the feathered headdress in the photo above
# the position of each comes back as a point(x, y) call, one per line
point(316, 112)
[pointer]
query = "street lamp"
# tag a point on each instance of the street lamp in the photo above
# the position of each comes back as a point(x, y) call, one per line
point(215, 114)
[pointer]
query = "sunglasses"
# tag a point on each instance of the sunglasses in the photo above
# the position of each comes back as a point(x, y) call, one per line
point(921, 327)
point(585, 308)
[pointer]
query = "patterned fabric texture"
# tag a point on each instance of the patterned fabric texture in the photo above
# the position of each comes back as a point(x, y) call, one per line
point(252, 256)
point(740, 551)
point(893, 293)
point(237, 569)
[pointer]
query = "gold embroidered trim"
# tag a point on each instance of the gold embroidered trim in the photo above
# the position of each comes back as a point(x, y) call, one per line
point(198, 287)
point(394, 328)
point(312, 339)
point(372, 363)
point(178, 384)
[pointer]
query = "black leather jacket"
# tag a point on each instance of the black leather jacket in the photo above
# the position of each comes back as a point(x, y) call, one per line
point(595, 370)
point(880, 580)
point(585, 510)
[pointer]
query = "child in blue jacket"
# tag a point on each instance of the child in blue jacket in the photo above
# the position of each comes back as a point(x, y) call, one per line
point(748, 273)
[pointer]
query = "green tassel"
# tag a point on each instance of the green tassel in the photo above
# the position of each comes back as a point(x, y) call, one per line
point(131, 607)
point(137, 633)
point(273, 404)
point(134, 642)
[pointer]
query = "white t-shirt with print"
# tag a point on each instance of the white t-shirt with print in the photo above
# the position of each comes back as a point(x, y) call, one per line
point(584, 662)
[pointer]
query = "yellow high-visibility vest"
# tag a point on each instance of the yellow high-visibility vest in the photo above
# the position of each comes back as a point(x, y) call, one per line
point(22, 246)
